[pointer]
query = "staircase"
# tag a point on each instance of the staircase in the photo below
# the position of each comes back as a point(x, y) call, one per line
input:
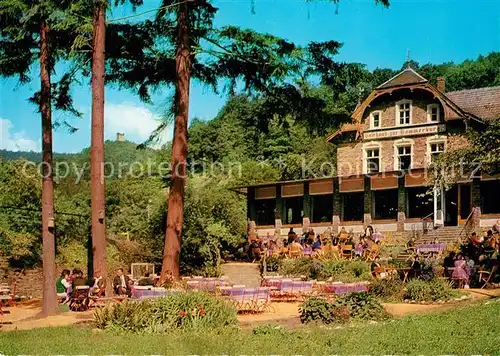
point(446, 234)
point(243, 273)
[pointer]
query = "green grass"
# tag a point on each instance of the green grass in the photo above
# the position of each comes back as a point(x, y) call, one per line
point(467, 330)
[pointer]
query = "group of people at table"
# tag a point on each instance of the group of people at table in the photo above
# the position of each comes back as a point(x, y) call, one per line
point(310, 244)
point(478, 252)
point(68, 282)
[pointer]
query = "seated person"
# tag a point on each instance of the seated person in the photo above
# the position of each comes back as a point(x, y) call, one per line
point(291, 235)
point(295, 247)
point(335, 240)
point(146, 280)
point(415, 268)
point(496, 228)
point(375, 265)
point(78, 279)
point(63, 287)
point(317, 243)
point(255, 250)
point(99, 286)
point(358, 249)
point(121, 283)
point(377, 236)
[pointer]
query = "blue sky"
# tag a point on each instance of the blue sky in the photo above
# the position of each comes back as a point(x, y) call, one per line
point(434, 31)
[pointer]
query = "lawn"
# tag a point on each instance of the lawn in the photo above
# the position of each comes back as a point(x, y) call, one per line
point(466, 330)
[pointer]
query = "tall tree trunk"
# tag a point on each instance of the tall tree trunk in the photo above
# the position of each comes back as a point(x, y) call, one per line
point(97, 189)
point(175, 218)
point(49, 247)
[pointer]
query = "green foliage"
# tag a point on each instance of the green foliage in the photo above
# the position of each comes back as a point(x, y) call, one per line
point(268, 329)
point(467, 330)
point(387, 289)
point(429, 291)
point(324, 269)
point(178, 311)
point(359, 305)
point(481, 150)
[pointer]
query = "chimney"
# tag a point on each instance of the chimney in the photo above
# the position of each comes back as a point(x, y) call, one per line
point(120, 137)
point(441, 84)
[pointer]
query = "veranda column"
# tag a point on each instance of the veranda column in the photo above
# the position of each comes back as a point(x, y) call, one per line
point(401, 203)
point(367, 216)
point(306, 208)
point(336, 205)
point(279, 214)
point(476, 201)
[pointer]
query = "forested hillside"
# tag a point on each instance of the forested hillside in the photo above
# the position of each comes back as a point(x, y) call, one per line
point(253, 139)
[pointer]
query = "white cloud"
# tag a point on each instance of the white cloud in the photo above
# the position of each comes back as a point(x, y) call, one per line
point(16, 141)
point(136, 122)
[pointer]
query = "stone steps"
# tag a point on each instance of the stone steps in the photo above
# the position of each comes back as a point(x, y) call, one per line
point(244, 273)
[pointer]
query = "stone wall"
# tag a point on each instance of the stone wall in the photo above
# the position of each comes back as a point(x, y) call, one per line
point(29, 283)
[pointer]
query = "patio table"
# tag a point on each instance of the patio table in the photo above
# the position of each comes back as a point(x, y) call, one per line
point(427, 248)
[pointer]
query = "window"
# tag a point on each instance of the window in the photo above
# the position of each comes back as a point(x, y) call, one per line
point(490, 191)
point(352, 206)
point(433, 113)
point(322, 208)
point(373, 160)
point(435, 150)
point(375, 119)
point(293, 210)
point(404, 157)
point(264, 209)
point(386, 204)
point(419, 202)
point(403, 112)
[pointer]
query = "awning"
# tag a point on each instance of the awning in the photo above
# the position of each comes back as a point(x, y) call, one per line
point(352, 184)
point(265, 192)
point(292, 190)
point(385, 181)
point(321, 187)
point(415, 179)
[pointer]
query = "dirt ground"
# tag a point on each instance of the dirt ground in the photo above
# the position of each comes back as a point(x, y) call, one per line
point(25, 315)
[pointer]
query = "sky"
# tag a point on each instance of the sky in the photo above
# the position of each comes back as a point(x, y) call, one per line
point(433, 31)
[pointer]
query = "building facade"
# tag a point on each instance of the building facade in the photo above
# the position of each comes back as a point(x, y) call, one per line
point(383, 160)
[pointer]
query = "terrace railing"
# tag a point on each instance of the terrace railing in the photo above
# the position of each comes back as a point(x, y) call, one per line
point(467, 228)
point(427, 223)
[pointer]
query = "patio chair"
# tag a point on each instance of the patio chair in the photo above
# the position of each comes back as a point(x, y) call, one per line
point(373, 252)
point(485, 277)
point(346, 251)
point(80, 299)
point(8, 295)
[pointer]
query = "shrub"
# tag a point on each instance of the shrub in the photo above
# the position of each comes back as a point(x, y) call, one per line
point(428, 291)
point(296, 266)
point(272, 264)
point(316, 309)
point(130, 316)
point(191, 310)
point(322, 269)
point(362, 306)
point(387, 289)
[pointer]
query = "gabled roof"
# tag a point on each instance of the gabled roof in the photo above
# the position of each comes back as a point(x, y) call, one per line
point(406, 77)
point(483, 102)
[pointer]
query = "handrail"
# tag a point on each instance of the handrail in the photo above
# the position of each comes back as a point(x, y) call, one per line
point(467, 225)
point(425, 228)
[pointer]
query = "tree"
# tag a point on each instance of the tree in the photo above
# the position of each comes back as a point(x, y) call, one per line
point(97, 184)
point(97, 189)
point(29, 32)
